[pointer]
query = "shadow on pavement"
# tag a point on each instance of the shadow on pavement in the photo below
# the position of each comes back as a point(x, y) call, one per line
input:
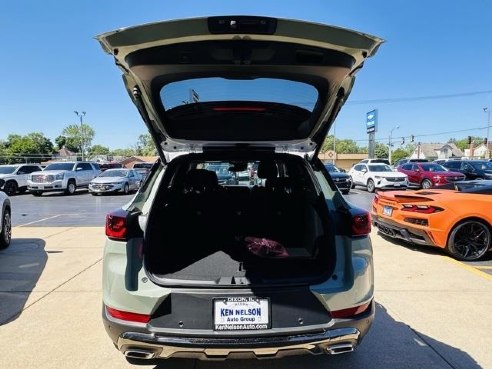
point(389, 344)
point(21, 264)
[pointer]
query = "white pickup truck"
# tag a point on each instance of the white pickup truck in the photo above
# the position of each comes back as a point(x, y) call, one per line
point(15, 177)
point(63, 176)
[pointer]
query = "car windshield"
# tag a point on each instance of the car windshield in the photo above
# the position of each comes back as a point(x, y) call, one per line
point(380, 168)
point(433, 168)
point(332, 169)
point(142, 166)
point(483, 165)
point(59, 166)
point(114, 173)
point(7, 170)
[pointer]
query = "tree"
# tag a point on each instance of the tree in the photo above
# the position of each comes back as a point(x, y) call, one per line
point(68, 143)
point(381, 150)
point(31, 147)
point(98, 150)
point(124, 152)
point(81, 134)
point(344, 146)
point(145, 145)
point(399, 154)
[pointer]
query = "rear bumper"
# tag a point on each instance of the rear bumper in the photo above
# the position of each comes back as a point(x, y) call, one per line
point(340, 336)
point(395, 230)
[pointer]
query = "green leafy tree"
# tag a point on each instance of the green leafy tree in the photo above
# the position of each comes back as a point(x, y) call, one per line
point(343, 146)
point(81, 134)
point(462, 144)
point(399, 154)
point(32, 147)
point(381, 150)
point(67, 142)
point(145, 145)
point(99, 150)
point(123, 152)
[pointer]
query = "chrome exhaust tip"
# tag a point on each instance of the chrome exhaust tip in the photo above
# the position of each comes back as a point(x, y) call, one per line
point(341, 348)
point(139, 354)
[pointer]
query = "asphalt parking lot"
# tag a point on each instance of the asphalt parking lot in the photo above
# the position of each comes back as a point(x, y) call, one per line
point(432, 312)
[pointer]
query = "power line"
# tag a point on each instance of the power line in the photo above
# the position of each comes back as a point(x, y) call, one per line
point(417, 98)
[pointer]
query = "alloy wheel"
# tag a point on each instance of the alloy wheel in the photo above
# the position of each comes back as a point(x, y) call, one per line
point(6, 235)
point(469, 240)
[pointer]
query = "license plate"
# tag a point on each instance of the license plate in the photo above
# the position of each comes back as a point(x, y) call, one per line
point(387, 210)
point(397, 185)
point(241, 313)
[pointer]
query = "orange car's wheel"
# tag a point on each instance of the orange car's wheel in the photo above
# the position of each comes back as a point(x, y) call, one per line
point(469, 240)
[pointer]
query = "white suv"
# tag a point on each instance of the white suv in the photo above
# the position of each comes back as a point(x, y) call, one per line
point(62, 176)
point(377, 176)
point(15, 177)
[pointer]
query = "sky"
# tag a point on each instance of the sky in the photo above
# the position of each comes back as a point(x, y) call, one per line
point(431, 78)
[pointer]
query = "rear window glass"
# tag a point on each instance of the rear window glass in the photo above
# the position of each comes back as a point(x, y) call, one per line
point(220, 89)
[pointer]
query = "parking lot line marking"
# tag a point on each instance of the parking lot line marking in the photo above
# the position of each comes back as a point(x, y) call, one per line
point(37, 221)
point(483, 267)
point(470, 268)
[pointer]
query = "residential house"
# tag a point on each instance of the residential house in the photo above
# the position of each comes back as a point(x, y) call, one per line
point(434, 151)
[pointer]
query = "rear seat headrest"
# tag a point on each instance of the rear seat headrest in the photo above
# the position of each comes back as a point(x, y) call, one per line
point(200, 180)
point(267, 169)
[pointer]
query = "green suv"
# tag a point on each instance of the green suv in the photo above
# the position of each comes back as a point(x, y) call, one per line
point(201, 268)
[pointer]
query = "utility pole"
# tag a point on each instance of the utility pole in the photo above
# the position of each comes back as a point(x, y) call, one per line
point(390, 143)
point(487, 153)
point(82, 138)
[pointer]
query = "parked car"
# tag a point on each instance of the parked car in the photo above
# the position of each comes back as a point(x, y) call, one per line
point(143, 169)
point(457, 219)
point(62, 177)
point(5, 219)
point(377, 176)
point(427, 175)
point(282, 267)
point(106, 166)
point(116, 180)
point(442, 161)
point(406, 161)
point(341, 178)
point(472, 169)
point(375, 161)
point(15, 177)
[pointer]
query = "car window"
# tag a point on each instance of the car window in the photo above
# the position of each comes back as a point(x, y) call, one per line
point(407, 167)
point(7, 169)
point(379, 168)
point(60, 166)
point(432, 168)
point(83, 166)
point(484, 165)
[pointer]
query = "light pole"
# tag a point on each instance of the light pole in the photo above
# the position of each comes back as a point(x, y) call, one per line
point(81, 116)
point(487, 154)
point(390, 143)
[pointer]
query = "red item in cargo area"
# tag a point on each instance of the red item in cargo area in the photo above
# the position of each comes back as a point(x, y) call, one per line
point(265, 248)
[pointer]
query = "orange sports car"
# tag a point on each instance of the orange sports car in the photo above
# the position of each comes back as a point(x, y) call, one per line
point(457, 219)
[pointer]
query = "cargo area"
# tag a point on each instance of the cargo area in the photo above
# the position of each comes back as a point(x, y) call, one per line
point(269, 228)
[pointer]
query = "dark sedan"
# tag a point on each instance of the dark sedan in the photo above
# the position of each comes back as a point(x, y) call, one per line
point(341, 179)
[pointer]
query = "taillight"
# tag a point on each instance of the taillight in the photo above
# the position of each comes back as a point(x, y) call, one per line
point(361, 223)
point(423, 209)
point(375, 200)
point(116, 227)
point(129, 317)
point(350, 312)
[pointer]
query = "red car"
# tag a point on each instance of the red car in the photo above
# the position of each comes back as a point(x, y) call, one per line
point(427, 175)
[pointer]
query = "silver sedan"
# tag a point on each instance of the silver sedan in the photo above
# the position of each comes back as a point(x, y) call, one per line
point(116, 180)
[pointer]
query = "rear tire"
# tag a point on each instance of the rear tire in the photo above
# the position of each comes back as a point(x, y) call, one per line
point(469, 240)
point(6, 234)
point(11, 188)
point(126, 189)
point(71, 187)
point(426, 184)
point(371, 187)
